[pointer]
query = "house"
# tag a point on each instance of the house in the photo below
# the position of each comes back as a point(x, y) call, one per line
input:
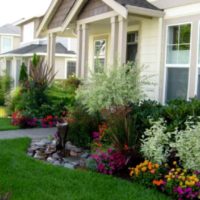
point(10, 37)
point(164, 35)
point(65, 57)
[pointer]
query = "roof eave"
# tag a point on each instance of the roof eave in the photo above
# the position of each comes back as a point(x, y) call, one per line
point(145, 11)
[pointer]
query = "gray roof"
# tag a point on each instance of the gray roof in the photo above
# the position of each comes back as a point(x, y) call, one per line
point(164, 4)
point(138, 3)
point(10, 29)
point(39, 48)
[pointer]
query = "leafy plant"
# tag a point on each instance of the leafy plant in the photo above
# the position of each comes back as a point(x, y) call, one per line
point(120, 87)
point(23, 76)
point(187, 146)
point(156, 143)
point(5, 86)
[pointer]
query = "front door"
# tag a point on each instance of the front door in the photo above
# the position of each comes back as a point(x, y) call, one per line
point(132, 46)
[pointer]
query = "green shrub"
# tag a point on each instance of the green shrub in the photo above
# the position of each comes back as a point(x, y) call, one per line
point(5, 86)
point(187, 145)
point(109, 90)
point(23, 76)
point(81, 126)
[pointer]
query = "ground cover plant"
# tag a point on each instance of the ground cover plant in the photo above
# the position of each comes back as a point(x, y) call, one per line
point(26, 178)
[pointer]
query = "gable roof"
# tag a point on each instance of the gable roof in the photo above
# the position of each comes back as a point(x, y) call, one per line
point(120, 6)
point(10, 29)
point(38, 48)
point(138, 3)
point(165, 4)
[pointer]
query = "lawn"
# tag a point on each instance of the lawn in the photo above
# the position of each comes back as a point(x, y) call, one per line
point(5, 124)
point(28, 179)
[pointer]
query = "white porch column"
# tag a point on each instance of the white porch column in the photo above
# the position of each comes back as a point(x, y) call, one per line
point(79, 50)
point(51, 48)
point(14, 72)
point(114, 41)
point(85, 50)
point(122, 40)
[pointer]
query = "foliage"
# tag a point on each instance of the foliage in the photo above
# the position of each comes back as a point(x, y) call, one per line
point(81, 126)
point(5, 86)
point(176, 181)
point(23, 76)
point(156, 143)
point(160, 146)
point(187, 146)
point(27, 121)
point(109, 162)
point(145, 173)
point(120, 87)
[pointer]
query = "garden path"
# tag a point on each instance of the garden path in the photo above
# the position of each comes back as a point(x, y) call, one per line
point(36, 133)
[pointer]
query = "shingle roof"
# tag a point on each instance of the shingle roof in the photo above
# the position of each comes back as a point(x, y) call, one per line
point(10, 29)
point(138, 3)
point(39, 48)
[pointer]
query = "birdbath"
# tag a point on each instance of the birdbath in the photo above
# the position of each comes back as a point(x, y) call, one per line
point(62, 131)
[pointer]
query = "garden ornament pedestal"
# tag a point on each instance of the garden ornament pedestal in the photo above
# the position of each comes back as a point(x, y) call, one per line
point(62, 132)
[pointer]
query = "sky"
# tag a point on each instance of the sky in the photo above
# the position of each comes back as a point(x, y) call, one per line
point(14, 10)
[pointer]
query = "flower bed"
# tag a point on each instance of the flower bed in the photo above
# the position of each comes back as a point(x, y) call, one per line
point(31, 122)
point(174, 180)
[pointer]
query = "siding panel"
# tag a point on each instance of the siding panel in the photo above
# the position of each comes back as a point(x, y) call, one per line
point(61, 13)
point(92, 8)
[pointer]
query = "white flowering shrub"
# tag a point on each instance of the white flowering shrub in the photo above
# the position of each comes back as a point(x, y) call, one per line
point(156, 143)
point(118, 87)
point(188, 147)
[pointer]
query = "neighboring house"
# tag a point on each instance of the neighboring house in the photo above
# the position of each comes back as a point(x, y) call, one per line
point(65, 57)
point(10, 37)
point(162, 34)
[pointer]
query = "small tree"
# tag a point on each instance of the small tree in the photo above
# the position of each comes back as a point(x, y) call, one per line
point(23, 77)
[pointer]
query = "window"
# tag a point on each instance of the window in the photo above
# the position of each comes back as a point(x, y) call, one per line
point(71, 68)
point(6, 44)
point(178, 61)
point(99, 54)
point(28, 32)
point(132, 46)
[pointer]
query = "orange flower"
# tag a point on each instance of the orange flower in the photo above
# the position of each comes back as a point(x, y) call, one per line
point(152, 171)
point(158, 182)
point(126, 147)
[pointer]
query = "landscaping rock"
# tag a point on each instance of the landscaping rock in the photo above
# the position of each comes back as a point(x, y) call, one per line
point(69, 166)
point(85, 155)
point(40, 155)
point(45, 150)
point(56, 156)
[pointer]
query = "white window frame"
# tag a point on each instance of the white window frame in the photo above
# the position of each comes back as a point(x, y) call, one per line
point(166, 66)
point(66, 66)
point(106, 50)
point(197, 61)
point(7, 37)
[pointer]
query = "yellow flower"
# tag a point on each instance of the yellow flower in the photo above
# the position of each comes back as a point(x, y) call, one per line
point(144, 169)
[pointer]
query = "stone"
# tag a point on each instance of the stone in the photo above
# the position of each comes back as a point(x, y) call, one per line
point(82, 163)
point(69, 166)
point(50, 159)
point(57, 163)
point(50, 150)
point(76, 149)
point(74, 154)
point(54, 142)
point(85, 155)
point(40, 155)
point(69, 146)
point(56, 156)
point(42, 143)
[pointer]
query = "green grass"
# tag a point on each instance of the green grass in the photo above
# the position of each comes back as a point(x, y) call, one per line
point(5, 124)
point(28, 179)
